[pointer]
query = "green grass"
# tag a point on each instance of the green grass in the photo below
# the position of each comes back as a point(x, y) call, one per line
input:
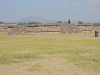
point(3, 33)
point(96, 29)
point(81, 51)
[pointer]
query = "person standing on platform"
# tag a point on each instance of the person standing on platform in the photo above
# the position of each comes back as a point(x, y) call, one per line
point(69, 21)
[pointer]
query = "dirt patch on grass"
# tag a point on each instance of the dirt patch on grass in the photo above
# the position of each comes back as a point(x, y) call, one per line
point(52, 59)
point(47, 66)
point(18, 60)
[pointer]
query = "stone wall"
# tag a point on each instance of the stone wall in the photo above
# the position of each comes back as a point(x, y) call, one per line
point(43, 29)
point(70, 28)
point(85, 27)
point(49, 28)
point(16, 30)
point(7, 24)
point(1, 30)
point(34, 29)
point(76, 28)
point(96, 27)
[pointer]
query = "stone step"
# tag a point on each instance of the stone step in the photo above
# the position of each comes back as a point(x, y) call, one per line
point(71, 28)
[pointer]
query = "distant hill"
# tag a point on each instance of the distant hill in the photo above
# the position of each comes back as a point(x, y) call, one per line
point(34, 19)
point(31, 18)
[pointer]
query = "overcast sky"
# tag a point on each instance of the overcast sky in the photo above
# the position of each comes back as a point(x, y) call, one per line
point(76, 10)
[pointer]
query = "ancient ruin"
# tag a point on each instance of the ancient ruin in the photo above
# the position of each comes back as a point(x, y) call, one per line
point(5, 26)
point(49, 28)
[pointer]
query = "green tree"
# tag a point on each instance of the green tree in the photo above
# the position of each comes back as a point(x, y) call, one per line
point(58, 22)
point(33, 23)
point(80, 22)
point(1, 22)
point(20, 23)
point(24, 23)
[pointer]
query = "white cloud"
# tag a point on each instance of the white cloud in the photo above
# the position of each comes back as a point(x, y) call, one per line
point(63, 0)
point(75, 3)
point(93, 1)
point(65, 6)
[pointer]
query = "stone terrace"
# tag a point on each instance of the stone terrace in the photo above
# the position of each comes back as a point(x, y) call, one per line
point(50, 28)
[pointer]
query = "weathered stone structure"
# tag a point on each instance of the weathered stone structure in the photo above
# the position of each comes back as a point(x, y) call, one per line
point(5, 26)
point(1, 30)
point(49, 28)
point(96, 27)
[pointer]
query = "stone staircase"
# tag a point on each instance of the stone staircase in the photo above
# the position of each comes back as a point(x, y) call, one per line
point(1, 30)
point(71, 28)
point(17, 30)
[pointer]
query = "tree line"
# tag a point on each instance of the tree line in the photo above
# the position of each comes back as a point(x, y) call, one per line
point(1, 22)
point(96, 24)
point(29, 23)
point(5, 23)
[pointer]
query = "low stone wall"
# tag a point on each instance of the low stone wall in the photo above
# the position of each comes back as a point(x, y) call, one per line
point(96, 27)
point(34, 29)
point(49, 28)
point(7, 24)
point(85, 27)
point(43, 29)
point(70, 28)
point(39, 33)
point(1, 30)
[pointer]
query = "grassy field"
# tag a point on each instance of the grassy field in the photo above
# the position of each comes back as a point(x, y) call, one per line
point(51, 54)
point(3, 33)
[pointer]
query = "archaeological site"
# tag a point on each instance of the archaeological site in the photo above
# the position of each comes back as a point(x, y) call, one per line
point(51, 28)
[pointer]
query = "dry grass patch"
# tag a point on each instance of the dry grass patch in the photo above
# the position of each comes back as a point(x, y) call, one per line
point(52, 54)
point(3, 33)
point(36, 67)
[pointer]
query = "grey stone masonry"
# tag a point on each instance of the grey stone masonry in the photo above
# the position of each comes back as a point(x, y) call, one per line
point(96, 27)
point(1, 30)
point(71, 28)
point(50, 28)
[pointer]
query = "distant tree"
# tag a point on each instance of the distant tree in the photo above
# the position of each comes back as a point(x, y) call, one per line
point(89, 23)
point(80, 22)
point(96, 24)
point(20, 23)
point(24, 23)
point(58, 22)
point(1, 22)
point(33, 23)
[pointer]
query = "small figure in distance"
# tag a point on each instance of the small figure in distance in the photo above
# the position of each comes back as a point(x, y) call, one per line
point(69, 21)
